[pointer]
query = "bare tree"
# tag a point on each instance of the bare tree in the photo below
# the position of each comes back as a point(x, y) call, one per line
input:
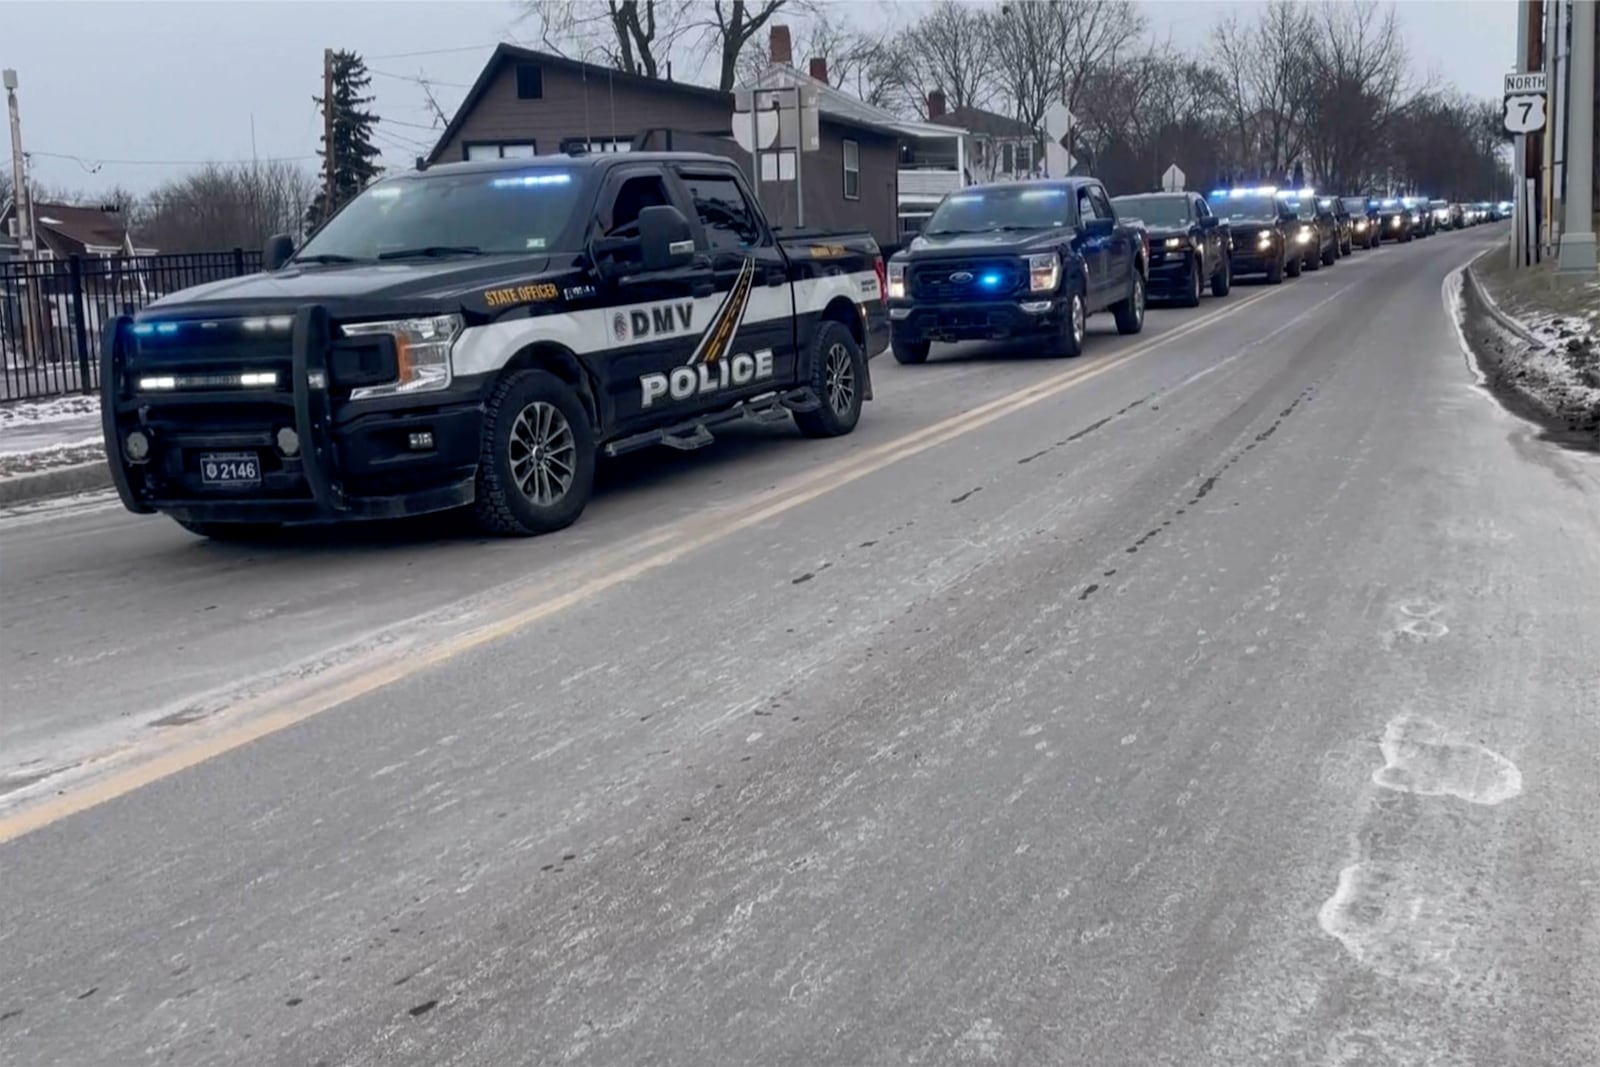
point(226, 205)
point(636, 36)
point(728, 25)
point(1269, 74)
point(1029, 53)
point(951, 49)
point(1093, 34)
point(1359, 70)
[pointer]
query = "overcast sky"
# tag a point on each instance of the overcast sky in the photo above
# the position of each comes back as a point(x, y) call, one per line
point(139, 91)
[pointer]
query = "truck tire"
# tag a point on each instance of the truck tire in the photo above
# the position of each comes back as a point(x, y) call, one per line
point(1295, 266)
point(839, 378)
point(536, 456)
point(910, 352)
point(1275, 273)
point(1330, 256)
point(1069, 342)
point(1130, 311)
point(1191, 295)
point(1222, 280)
point(1314, 261)
point(236, 532)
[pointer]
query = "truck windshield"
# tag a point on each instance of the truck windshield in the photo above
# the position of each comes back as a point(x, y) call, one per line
point(1154, 210)
point(1247, 207)
point(1000, 208)
point(524, 211)
point(1355, 205)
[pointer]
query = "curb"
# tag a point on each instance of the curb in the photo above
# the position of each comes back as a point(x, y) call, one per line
point(61, 481)
point(1505, 321)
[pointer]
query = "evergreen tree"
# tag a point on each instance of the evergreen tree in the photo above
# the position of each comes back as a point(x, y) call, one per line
point(354, 155)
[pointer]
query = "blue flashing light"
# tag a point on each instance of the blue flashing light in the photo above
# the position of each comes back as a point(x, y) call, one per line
point(989, 281)
point(524, 181)
point(144, 329)
point(1042, 194)
point(167, 329)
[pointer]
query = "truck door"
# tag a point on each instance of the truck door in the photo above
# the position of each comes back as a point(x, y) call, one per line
point(756, 352)
point(1094, 249)
point(652, 322)
point(1119, 248)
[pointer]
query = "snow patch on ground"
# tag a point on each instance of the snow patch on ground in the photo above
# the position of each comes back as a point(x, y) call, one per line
point(68, 454)
point(55, 409)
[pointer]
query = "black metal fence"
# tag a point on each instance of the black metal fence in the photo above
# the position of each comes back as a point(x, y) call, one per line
point(51, 311)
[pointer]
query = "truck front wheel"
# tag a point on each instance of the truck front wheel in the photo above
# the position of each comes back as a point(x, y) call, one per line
point(910, 352)
point(536, 456)
point(1069, 342)
point(839, 380)
point(1130, 310)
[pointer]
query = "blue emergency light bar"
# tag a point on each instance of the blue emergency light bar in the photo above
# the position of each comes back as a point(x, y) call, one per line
point(1261, 190)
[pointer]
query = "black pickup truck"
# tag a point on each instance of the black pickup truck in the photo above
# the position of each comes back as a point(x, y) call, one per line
point(1018, 260)
point(1190, 247)
point(1263, 225)
point(476, 335)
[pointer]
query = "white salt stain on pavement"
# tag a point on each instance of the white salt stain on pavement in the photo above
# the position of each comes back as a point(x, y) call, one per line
point(1421, 757)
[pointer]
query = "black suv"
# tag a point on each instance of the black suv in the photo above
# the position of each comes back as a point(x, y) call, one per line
point(1189, 245)
point(1316, 238)
point(1024, 260)
point(1344, 225)
point(1364, 229)
point(1261, 225)
point(1394, 221)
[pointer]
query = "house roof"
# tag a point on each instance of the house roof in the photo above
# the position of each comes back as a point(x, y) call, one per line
point(505, 52)
point(838, 104)
point(986, 123)
point(96, 226)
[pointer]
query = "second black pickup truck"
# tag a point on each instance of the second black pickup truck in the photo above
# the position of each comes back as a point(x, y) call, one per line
point(1017, 260)
point(1190, 247)
point(476, 336)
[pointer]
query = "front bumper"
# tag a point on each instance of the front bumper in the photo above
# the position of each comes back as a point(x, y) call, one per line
point(1252, 258)
point(354, 460)
point(1169, 273)
point(977, 320)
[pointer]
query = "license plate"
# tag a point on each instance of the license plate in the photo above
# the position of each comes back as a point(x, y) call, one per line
point(230, 470)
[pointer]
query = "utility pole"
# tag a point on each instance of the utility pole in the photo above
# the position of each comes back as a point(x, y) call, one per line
point(327, 133)
point(1577, 253)
point(25, 242)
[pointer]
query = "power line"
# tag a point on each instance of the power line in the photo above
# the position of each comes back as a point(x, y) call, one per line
point(411, 125)
point(437, 51)
point(82, 162)
point(418, 79)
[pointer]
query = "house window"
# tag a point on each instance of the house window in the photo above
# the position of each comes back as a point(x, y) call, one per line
point(530, 81)
point(500, 150)
point(852, 170)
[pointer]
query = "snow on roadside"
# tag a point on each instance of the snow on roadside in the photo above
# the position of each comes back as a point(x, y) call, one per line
point(68, 454)
point(54, 409)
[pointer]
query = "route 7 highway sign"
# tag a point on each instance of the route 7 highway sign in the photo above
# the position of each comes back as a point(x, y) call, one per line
point(1525, 102)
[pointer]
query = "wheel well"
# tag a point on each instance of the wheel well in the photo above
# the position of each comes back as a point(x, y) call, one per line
point(842, 311)
point(555, 360)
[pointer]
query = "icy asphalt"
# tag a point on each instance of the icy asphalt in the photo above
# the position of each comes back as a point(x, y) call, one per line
point(1227, 699)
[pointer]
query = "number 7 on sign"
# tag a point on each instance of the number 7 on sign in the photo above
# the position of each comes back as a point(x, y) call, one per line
point(1524, 113)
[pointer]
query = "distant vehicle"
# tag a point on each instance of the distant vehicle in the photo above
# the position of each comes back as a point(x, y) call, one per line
point(1027, 259)
point(1503, 210)
point(1421, 217)
point(1364, 231)
point(1440, 210)
point(1344, 225)
point(477, 335)
point(1261, 225)
point(1189, 245)
point(1316, 238)
point(1395, 220)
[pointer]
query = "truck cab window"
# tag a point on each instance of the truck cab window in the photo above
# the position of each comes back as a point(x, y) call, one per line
point(724, 212)
point(636, 194)
point(1085, 206)
point(1102, 206)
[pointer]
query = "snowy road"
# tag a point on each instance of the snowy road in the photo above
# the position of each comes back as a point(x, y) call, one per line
point(1228, 696)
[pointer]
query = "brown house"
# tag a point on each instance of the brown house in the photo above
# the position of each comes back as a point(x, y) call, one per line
point(63, 230)
point(528, 103)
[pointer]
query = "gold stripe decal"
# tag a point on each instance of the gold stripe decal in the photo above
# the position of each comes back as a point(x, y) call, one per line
point(725, 324)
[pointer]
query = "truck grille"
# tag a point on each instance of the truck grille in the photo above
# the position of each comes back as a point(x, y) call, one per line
point(975, 279)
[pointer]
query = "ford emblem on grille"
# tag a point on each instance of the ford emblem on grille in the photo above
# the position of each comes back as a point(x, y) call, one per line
point(961, 277)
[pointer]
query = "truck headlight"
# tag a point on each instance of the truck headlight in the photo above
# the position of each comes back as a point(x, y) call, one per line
point(1362, 225)
point(422, 348)
point(1174, 242)
point(1304, 236)
point(1264, 240)
point(897, 281)
point(1044, 273)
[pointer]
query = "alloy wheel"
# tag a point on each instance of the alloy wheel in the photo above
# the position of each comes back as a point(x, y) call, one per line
point(841, 380)
point(544, 454)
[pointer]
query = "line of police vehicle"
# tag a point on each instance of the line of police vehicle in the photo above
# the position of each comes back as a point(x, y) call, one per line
point(478, 335)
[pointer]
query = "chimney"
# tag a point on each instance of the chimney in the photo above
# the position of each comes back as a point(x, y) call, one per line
point(936, 103)
point(819, 69)
point(782, 47)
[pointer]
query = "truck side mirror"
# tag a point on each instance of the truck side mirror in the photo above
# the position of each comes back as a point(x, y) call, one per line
point(665, 240)
point(1099, 227)
point(276, 252)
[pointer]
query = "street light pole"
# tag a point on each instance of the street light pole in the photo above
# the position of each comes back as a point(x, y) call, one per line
point(1577, 254)
point(19, 175)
